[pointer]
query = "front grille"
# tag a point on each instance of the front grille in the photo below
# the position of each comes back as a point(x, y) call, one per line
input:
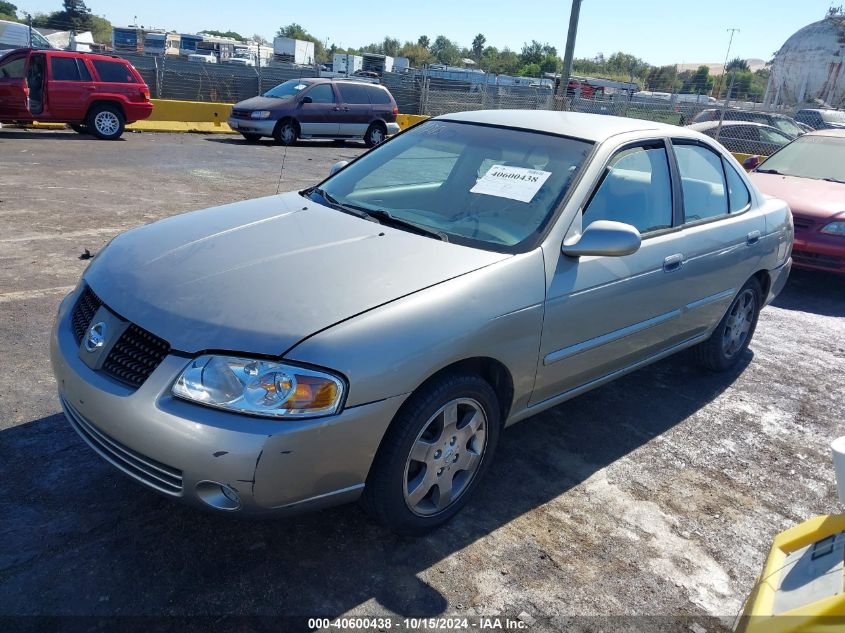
point(818, 259)
point(240, 114)
point(802, 224)
point(84, 310)
point(135, 355)
point(148, 471)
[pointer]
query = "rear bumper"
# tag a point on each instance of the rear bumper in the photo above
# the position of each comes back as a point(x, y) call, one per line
point(178, 448)
point(778, 277)
point(137, 111)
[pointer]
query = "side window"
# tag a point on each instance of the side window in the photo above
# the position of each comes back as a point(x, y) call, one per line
point(322, 93)
point(771, 136)
point(64, 69)
point(379, 95)
point(738, 195)
point(12, 68)
point(350, 92)
point(702, 182)
point(113, 72)
point(636, 189)
point(84, 73)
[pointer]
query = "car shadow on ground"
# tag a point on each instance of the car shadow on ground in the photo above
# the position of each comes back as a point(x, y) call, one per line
point(63, 135)
point(813, 291)
point(79, 538)
point(227, 139)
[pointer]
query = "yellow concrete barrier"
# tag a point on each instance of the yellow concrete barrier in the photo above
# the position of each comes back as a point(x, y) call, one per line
point(407, 120)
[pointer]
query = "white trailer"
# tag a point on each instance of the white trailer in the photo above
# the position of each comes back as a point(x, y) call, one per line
point(286, 49)
point(401, 64)
point(378, 63)
point(347, 64)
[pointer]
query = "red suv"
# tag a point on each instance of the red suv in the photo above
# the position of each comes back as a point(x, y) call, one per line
point(96, 94)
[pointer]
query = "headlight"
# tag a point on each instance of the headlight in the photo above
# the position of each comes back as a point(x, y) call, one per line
point(260, 114)
point(835, 228)
point(259, 387)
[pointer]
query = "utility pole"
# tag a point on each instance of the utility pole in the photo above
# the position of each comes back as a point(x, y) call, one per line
point(29, 22)
point(725, 65)
point(566, 71)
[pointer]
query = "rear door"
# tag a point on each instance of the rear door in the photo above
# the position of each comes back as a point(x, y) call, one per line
point(13, 89)
point(724, 232)
point(70, 85)
point(356, 111)
point(317, 111)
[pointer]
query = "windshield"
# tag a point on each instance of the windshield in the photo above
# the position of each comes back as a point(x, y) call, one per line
point(810, 157)
point(287, 90)
point(478, 185)
point(787, 127)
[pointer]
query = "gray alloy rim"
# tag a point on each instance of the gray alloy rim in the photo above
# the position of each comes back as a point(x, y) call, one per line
point(445, 457)
point(106, 123)
point(738, 323)
point(376, 136)
point(288, 134)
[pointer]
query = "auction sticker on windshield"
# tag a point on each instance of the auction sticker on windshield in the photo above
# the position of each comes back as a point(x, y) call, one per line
point(516, 183)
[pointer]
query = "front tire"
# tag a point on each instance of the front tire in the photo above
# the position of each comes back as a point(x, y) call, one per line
point(106, 122)
point(375, 135)
point(731, 338)
point(435, 452)
point(286, 132)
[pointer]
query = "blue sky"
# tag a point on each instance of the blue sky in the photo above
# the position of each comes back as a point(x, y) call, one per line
point(659, 31)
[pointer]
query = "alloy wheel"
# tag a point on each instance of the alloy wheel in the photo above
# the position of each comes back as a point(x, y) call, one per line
point(445, 457)
point(738, 323)
point(106, 123)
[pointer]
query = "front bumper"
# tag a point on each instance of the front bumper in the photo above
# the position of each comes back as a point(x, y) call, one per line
point(178, 448)
point(818, 251)
point(264, 127)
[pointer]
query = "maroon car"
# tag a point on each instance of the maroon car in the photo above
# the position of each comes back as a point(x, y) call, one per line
point(809, 174)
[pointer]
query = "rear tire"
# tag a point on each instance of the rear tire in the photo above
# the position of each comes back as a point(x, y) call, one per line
point(434, 454)
point(251, 138)
point(106, 122)
point(286, 132)
point(375, 135)
point(731, 338)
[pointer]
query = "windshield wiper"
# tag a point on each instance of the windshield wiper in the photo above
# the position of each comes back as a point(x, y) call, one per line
point(768, 171)
point(358, 213)
point(385, 217)
point(831, 179)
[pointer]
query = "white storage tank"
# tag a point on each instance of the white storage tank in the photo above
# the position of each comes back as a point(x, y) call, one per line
point(809, 65)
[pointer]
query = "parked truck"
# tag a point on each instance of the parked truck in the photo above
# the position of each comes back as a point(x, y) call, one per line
point(287, 49)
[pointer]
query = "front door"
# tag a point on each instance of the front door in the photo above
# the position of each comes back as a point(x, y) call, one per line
point(318, 111)
point(70, 86)
point(13, 89)
point(604, 314)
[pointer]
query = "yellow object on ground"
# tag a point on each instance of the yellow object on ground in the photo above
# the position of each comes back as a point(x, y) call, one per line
point(802, 587)
point(407, 120)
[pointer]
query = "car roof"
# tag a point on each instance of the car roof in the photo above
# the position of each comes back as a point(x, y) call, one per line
point(706, 125)
point(103, 56)
point(590, 127)
point(838, 132)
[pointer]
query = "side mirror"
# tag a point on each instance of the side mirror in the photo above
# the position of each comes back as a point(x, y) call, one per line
point(338, 166)
point(604, 237)
point(306, 100)
point(751, 162)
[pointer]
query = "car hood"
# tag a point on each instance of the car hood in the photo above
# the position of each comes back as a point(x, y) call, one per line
point(261, 275)
point(809, 197)
point(263, 103)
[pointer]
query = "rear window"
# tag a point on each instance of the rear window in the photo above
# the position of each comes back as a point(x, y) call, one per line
point(69, 69)
point(379, 95)
point(114, 72)
point(353, 93)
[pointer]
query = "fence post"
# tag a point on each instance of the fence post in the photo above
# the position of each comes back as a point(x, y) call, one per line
point(158, 75)
point(424, 91)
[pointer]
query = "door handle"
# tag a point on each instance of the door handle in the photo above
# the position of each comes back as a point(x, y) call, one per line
point(673, 263)
point(752, 238)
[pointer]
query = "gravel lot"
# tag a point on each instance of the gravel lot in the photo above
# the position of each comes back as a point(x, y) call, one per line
point(656, 495)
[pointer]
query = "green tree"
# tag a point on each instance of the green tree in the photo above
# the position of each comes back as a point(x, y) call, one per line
point(663, 79)
point(697, 82)
point(445, 50)
point(550, 64)
point(530, 70)
point(390, 46)
point(417, 55)
point(478, 47)
point(259, 39)
point(737, 64)
point(534, 52)
point(8, 12)
point(423, 41)
point(101, 29)
point(232, 34)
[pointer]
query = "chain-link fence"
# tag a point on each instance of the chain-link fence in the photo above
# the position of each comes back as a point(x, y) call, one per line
point(742, 127)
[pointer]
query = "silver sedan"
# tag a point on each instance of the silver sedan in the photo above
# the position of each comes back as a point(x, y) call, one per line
point(370, 337)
